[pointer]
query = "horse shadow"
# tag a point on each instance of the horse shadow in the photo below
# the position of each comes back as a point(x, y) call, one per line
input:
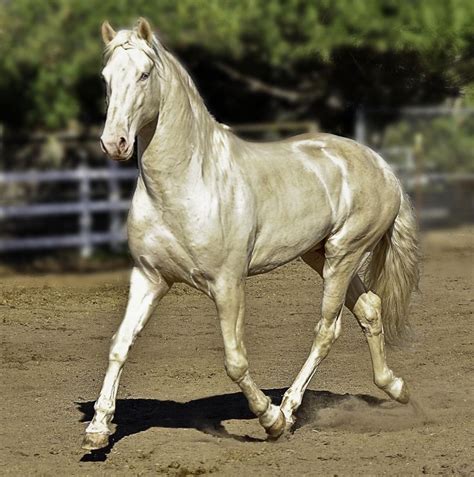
point(206, 414)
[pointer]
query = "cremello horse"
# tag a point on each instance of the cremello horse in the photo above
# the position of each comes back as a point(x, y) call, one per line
point(210, 209)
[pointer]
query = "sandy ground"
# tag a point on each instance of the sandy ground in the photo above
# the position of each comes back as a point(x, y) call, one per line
point(179, 414)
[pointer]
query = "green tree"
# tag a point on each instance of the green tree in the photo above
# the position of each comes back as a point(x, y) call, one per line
point(297, 57)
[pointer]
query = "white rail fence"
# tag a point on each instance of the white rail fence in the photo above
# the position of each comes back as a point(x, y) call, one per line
point(84, 208)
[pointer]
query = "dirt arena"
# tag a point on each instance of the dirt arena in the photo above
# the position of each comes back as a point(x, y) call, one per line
point(179, 414)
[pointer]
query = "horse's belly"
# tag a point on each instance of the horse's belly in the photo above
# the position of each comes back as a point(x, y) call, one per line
point(280, 243)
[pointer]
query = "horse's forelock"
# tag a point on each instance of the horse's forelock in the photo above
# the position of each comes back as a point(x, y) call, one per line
point(130, 39)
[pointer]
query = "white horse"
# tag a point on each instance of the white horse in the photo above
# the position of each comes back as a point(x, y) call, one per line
point(210, 209)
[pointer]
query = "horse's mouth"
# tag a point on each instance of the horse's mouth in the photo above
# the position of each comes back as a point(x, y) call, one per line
point(122, 157)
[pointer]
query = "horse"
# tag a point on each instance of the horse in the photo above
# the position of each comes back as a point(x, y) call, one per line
point(211, 209)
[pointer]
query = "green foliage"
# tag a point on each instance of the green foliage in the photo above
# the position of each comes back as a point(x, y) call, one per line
point(50, 50)
point(447, 141)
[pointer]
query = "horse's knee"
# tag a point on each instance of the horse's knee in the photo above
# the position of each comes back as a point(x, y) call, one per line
point(331, 305)
point(368, 311)
point(330, 323)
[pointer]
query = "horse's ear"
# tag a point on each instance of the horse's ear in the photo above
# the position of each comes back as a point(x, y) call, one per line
point(108, 33)
point(144, 30)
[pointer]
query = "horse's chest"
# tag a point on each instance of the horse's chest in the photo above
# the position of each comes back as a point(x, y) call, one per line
point(181, 242)
point(157, 241)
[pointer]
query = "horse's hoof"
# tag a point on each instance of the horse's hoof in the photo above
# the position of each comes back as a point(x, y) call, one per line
point(277, 428)
point(404, 396)
point(398, 390)
point(95, 440)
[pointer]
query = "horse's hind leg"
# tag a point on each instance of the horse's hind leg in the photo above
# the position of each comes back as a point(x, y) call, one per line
point(230, 303)
point(143, 297)
point(337, 274)
point(367, 308)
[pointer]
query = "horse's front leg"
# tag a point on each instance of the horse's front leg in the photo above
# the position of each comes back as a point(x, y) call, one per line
point(143, 297)
point(230, 303)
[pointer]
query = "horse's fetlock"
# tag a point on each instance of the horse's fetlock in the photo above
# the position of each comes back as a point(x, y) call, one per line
point(236, 370)
point(260, 407)
point(384, 380)
point(105, 407)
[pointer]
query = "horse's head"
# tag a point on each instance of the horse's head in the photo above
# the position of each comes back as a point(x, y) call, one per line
point(132, 81)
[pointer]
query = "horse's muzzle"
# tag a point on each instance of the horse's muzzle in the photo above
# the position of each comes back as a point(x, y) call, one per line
point(117, 149)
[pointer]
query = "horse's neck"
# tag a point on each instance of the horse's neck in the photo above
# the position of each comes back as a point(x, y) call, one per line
point(183, 131)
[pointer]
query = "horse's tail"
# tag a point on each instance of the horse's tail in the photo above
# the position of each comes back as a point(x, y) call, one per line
point(393, 272)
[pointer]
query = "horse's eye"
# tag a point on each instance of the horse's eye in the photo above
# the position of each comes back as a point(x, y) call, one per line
point(144, 76)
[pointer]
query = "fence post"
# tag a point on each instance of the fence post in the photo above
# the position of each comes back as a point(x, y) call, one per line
point(114, 197)
point(1, 141)
point(85, 217)
point(418, 157)
point(360, 126)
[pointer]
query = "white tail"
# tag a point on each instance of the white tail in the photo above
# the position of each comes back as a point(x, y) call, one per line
point(393, 272)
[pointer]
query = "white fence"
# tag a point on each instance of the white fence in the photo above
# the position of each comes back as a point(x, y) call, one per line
point(86, 238)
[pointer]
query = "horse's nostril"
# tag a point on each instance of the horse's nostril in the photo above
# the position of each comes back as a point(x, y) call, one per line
point(122, 144)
